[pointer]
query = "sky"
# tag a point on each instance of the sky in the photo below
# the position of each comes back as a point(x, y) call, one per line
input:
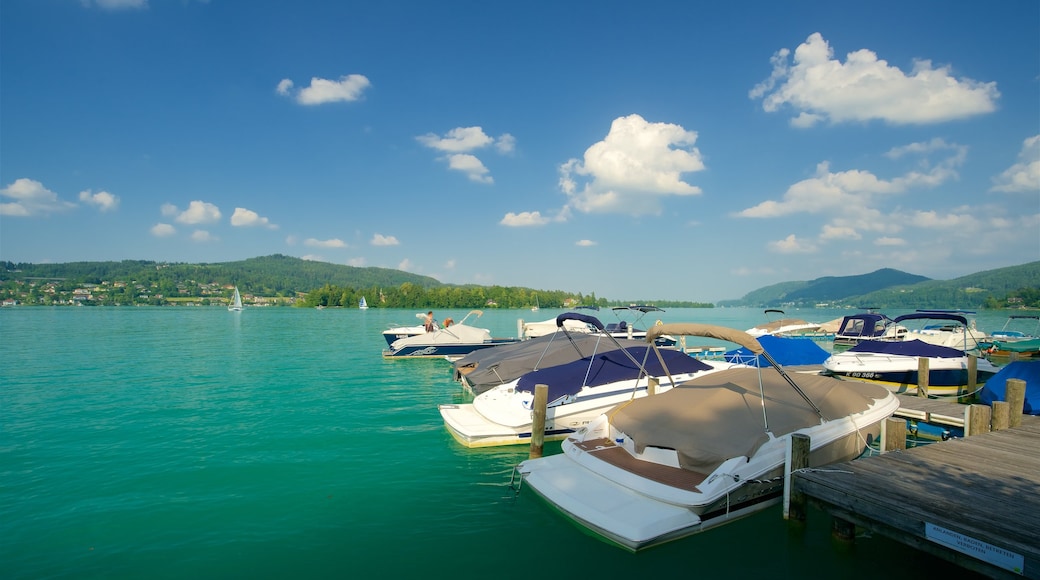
point(661, 150)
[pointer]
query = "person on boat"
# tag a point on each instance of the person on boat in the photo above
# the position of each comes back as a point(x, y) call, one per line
point(448, 322)
point(429, 321)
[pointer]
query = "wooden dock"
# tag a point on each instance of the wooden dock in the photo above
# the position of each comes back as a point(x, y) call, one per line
point(974, 501)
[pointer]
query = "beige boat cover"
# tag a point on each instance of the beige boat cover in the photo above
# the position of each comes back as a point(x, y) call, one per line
point(712, 418)
point(711, 331)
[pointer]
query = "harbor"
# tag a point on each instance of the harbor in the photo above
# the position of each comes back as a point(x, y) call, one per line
point(971, 500)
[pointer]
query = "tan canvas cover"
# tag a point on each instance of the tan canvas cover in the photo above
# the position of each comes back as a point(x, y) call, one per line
point(711, 331)
point(712, 418)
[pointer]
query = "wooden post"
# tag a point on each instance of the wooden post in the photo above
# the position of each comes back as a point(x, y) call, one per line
point(541, 399)
point(893, 435)
point(843, 530)
point(651, 386)
point(976, 420)
point(922, 377)
point(1015, 395)
point(797, 458)
point(520, 328)
point(1001, 415)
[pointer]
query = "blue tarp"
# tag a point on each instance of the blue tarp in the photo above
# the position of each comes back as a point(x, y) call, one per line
point(608, 367)
point(1028, 371)
point(786, 350)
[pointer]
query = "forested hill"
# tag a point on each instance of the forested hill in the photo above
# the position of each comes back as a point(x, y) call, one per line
point(275, 275)
point(888, 288)
point(827, 289)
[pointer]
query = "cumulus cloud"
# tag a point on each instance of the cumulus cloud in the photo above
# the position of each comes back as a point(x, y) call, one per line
point(405, 265)
point(585, 243)
point(245, 218)
point(818, 88)
point(347, 88)
point(161, 230)
point(458, 145)
point(332, 243)
point(792, 245)
point(1023, 176)
point(103, 200)
point(632, 168)
point(198, 212)
point(524, 218)
point(118, 4)
point(381, 240)
point(203, 236)
point(30, 198)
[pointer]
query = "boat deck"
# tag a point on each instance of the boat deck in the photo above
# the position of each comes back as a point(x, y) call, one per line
point(606, 450)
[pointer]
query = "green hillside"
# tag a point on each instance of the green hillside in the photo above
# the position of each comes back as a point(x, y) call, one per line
point(887, 288)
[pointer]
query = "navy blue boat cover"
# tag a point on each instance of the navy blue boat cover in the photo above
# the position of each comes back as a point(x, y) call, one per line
point(786, 350)
point(996, 386)
point(907, 348)
point(607, 367)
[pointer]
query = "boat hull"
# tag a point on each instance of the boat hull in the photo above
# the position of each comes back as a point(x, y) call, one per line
point(441, 350)
point(900, 374)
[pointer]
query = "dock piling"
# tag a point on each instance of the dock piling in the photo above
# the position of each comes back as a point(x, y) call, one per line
point(541, 399)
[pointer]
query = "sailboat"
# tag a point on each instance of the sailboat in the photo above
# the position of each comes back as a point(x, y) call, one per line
point(363, 304)
point(236, 302)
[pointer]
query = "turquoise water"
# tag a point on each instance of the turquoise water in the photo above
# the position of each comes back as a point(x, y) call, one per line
point(195, 442)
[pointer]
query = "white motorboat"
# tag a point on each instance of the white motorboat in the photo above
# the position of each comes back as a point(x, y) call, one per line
point(785, 326)
point(399, 331)
point(870, 325)
point(451, 341)
point(578, 391)
point(896, 366)
point(706, 452)
point(944, 328)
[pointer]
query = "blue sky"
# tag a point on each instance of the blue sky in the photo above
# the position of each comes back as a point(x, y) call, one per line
point(656, 150)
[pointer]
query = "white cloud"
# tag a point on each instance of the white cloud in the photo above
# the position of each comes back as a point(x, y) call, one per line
point(162, 230)
point(585, 243)
point(887, 241)
point(198, 212)
point(119, 4)
point(1023, 176)
point(471, 166)
point(457, 145)
point(450, 264)
point(817, 88)
point(792, 245)
point(524, 218)
point(632, 168)
point(332, 243)
point(203, 236)
point(313, 258)
point(103, 200)
point(248, 218)
point(321, 91)
point(405, 265)
point(381, 240)
point(31, 198)
point(356, 262)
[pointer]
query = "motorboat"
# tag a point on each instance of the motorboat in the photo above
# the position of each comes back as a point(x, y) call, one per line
point(866, 326)
point(531, 330)
point(1000, 352)
point(784, 326)
point(792, 352)
point(399, 331)
point(896, 365)
point(950, 328)
point(1018, 327)
point(485, 369)
point(456, 340)
point(577, 392)
point(1027, 371)
point(706, 452)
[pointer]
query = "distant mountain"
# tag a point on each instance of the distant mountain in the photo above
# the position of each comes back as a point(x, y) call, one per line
point(827, 289)
point(888, 288)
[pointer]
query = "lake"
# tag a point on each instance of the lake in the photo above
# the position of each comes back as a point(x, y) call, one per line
point(185, 442)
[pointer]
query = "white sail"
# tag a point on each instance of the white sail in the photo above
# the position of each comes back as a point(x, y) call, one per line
point(363, 304)
point(236, 302)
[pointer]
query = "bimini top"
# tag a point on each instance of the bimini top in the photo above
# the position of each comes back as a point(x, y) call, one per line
point(932, 315)
point(906, 348)
point(639, 308)
point(608, 367)
point(873, 323)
